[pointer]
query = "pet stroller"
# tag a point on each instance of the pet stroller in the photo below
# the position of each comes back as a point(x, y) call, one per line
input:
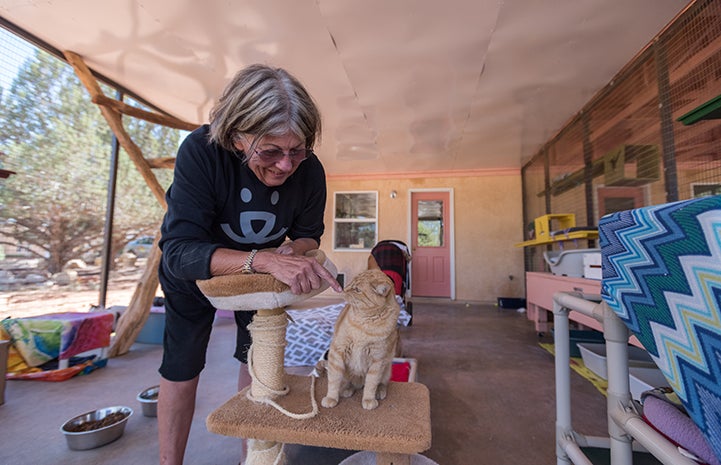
point(393, 258)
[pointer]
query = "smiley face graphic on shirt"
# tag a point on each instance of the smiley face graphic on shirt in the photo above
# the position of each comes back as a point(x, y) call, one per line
point(266, 219)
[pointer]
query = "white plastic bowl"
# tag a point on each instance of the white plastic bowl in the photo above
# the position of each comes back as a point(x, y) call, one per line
point(643, 379)
point(594, 357)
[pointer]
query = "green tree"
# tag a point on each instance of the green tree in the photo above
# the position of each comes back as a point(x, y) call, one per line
point(56, 140)
point(429, 233)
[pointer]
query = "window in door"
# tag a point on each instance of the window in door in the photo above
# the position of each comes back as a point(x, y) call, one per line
point(430, 223)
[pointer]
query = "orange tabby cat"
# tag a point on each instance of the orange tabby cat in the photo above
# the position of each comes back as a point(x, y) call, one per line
point(365, 337)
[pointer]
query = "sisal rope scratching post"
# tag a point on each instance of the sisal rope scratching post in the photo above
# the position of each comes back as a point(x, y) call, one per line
point(265, 365)
point(266, 362)
point(266, 355)
point(264, 453)
point(243, 292)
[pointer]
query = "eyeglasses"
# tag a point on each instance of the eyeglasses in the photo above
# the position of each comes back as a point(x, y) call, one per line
point(275, 155)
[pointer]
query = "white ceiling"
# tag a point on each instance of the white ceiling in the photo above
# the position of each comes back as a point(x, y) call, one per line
point(405, 86)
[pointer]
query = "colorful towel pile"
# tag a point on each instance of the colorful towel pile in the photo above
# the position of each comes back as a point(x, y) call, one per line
point(38, 343)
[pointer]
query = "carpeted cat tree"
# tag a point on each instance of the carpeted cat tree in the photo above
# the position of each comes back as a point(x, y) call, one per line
point(279, 408)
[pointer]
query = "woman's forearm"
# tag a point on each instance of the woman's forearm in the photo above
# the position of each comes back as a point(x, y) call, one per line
point(227, 261)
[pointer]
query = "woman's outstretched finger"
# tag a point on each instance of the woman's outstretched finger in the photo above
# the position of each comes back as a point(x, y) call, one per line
point(326, 276)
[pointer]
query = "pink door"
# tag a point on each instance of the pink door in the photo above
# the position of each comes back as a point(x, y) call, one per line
point(430, 245)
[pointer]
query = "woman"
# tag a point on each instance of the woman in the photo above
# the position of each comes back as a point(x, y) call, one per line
point(247, 181)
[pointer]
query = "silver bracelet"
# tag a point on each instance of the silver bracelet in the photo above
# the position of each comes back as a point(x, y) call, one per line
point(248, 265)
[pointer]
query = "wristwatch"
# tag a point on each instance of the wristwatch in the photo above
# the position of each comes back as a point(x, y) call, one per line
point(248, 265)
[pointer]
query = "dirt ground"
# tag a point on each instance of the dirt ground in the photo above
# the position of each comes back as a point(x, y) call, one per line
point(78, 297)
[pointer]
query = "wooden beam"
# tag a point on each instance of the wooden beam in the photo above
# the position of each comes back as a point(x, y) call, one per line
point(139, 113)
point(115, 122)
point(99, 98)
point(165, 163)
point(84, 73)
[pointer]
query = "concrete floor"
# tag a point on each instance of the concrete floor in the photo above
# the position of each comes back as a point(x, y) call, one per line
point(491, 385)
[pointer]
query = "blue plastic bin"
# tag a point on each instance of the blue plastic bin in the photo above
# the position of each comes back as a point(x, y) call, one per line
point(153, 329)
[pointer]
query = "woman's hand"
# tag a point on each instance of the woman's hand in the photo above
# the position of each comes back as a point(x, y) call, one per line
point(303, 274)
point(287, 264)
point(286, 249)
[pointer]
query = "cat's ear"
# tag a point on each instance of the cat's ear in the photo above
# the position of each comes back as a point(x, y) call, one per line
point(382, 288)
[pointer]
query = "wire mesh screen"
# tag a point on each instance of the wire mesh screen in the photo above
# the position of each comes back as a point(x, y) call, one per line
point(652, 135)
point(13, 52)
point(567, 172)
point(693, 51)
point(534, 204)
point(58, 164)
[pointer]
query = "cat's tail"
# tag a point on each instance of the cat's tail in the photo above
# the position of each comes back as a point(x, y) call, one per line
point(321, 367)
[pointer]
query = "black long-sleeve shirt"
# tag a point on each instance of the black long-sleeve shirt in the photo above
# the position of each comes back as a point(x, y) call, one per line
point(217, 201)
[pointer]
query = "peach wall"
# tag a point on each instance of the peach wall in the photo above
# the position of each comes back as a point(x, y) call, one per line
point(488, 222)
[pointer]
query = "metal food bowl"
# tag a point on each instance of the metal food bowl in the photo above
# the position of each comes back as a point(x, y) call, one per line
point(96, 437)
point(149, 401)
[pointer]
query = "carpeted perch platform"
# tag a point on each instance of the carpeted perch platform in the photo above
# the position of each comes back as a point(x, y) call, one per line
point(401, 424)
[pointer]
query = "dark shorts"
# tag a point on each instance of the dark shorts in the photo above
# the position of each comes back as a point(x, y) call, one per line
point(188, 322)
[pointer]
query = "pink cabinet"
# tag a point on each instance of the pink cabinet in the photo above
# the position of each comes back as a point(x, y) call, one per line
point(540, 288)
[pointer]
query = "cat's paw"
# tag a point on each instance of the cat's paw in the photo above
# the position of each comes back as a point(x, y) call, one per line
point(381, 392)
point(370, 404)
point(329, 402)
point(348, 392)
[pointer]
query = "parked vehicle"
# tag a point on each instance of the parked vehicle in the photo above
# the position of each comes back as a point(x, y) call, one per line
point(139, 247)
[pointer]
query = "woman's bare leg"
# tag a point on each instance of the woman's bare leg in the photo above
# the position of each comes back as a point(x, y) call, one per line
point(176, 405)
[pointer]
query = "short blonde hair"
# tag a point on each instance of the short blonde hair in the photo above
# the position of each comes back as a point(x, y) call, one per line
point(261, 101)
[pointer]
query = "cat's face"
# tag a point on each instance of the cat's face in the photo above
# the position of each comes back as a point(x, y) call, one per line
point(369, 290)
